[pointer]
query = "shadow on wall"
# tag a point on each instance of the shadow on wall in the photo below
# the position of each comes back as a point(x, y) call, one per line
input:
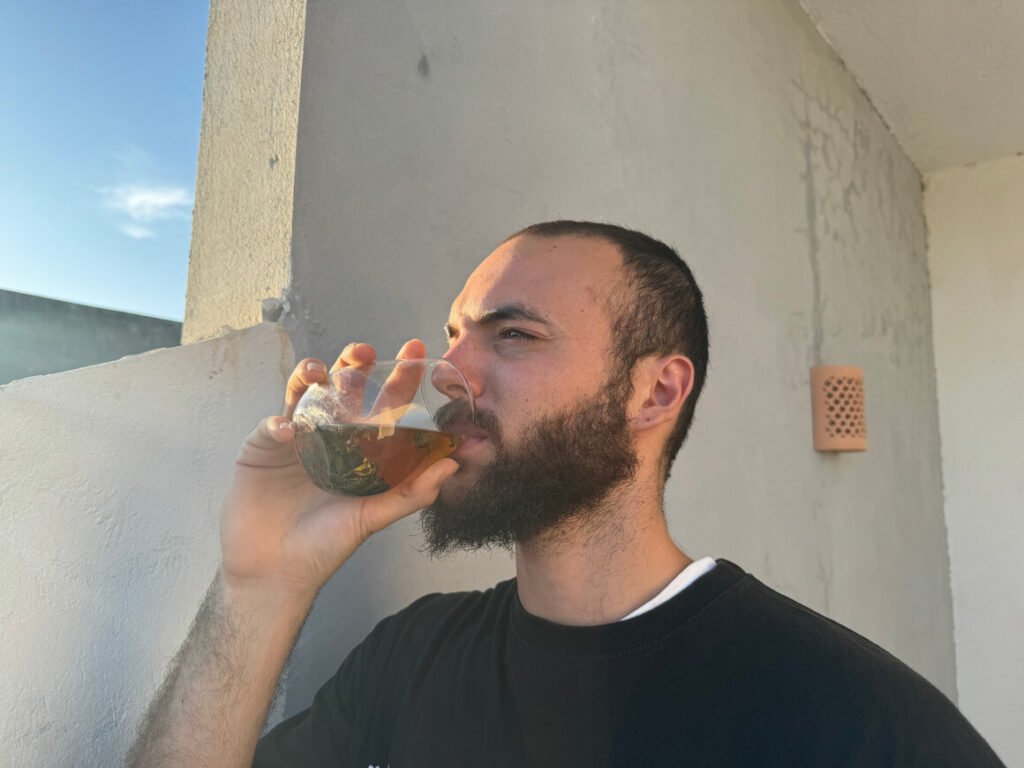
point(40, 335)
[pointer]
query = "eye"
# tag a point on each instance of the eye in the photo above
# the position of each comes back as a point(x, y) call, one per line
point(515, 333)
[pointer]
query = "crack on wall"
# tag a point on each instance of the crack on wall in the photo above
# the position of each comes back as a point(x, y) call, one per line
point(834, 148)
point(837, 167)
point(825, 577)
point(811, 210)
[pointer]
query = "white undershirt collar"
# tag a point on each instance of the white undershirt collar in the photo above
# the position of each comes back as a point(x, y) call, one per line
point(687, 576)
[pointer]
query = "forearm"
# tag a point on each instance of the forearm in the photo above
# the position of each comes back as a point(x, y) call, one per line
point(212, 705)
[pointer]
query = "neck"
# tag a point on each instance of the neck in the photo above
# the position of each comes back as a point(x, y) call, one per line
point(602, 567)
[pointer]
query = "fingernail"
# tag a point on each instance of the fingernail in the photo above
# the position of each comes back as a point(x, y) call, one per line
point(283, 425)
point(315, 367)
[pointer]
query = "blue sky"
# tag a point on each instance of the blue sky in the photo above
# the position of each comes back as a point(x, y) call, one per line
point(99, 125)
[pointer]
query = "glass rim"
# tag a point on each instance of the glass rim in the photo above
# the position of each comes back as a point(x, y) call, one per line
point(371, 369)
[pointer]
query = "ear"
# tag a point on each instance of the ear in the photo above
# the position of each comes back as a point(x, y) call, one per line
point(663, 385)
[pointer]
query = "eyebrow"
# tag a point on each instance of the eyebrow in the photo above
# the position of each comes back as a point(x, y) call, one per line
point(514, 311)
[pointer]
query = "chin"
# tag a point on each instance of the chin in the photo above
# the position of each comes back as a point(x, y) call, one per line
point(458, 480)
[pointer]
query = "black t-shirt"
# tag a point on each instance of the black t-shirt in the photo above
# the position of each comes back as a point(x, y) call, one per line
point(726, 673)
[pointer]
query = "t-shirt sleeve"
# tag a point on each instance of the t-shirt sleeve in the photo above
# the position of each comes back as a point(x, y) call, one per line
point(327, 733)
point(913, 725)
point(939, 736)
point(353, 713)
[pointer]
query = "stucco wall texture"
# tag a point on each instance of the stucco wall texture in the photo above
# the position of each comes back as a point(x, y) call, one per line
point(110, 493)
point(976, 253)
point(428, 133)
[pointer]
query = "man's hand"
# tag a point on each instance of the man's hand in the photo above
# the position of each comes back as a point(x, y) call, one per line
point(278, 530)
point(281, 539)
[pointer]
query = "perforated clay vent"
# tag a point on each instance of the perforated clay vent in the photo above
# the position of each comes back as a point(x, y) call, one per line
point(837, 408)
point(844, 407)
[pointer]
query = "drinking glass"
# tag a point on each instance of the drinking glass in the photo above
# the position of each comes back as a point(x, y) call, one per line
point(371, 429)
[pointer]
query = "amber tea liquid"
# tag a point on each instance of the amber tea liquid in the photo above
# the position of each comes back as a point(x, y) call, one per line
point(364, 459)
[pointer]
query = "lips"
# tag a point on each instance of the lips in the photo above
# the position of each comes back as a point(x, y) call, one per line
point(466, 436)
point(466, 432)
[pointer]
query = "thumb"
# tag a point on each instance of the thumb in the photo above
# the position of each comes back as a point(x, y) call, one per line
point(409, 497)
point(439, 472)
point(423, 489)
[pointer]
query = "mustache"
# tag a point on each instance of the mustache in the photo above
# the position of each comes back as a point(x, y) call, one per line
point(459, 411)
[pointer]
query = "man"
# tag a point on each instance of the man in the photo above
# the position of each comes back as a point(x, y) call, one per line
point(585, 347)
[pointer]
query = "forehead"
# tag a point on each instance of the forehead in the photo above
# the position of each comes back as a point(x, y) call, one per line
point(567, 279)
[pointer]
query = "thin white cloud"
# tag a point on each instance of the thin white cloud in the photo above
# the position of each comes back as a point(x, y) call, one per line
point(137, 232)
point(146, 203)
point(134, 163)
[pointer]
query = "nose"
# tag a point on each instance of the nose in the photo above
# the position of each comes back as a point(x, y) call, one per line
point(449, 382)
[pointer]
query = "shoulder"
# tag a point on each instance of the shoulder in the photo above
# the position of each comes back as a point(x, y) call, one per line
point(444, 606)
point(842, 683)
point(797, 636)
point(441, 617)
point(418, 636)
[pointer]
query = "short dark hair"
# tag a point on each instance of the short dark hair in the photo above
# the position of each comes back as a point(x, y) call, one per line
point(664, 315)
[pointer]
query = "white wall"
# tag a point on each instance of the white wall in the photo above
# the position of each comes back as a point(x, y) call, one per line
point(976, 254)
point(428, 132)
point(110, 490)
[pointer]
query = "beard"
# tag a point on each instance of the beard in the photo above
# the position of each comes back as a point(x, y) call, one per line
point(552, 480)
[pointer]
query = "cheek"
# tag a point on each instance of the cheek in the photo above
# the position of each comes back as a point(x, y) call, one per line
point(511, 386)
point(520, 394)
point(515, 401)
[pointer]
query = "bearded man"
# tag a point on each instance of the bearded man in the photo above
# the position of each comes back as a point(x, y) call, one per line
point(585, 347)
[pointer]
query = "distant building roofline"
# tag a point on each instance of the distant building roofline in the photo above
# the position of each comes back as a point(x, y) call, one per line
point(36, 298)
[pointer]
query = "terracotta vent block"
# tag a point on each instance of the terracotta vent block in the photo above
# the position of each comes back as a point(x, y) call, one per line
point(837, 400)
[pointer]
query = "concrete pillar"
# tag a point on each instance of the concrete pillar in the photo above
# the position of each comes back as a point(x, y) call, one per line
point(242, 224)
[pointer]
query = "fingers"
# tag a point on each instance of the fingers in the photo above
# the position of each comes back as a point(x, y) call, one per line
point(413, 349)
point(357, 355)
point(308, 372)
point(311, 371)
point(276, 428)
point(403, 381)
point(262, 446)
point(349, 374)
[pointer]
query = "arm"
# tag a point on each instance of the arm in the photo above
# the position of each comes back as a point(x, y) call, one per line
point(211, 707)
point(281, 540)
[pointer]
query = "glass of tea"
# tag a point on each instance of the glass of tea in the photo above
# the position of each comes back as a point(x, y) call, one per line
point(371, 429)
